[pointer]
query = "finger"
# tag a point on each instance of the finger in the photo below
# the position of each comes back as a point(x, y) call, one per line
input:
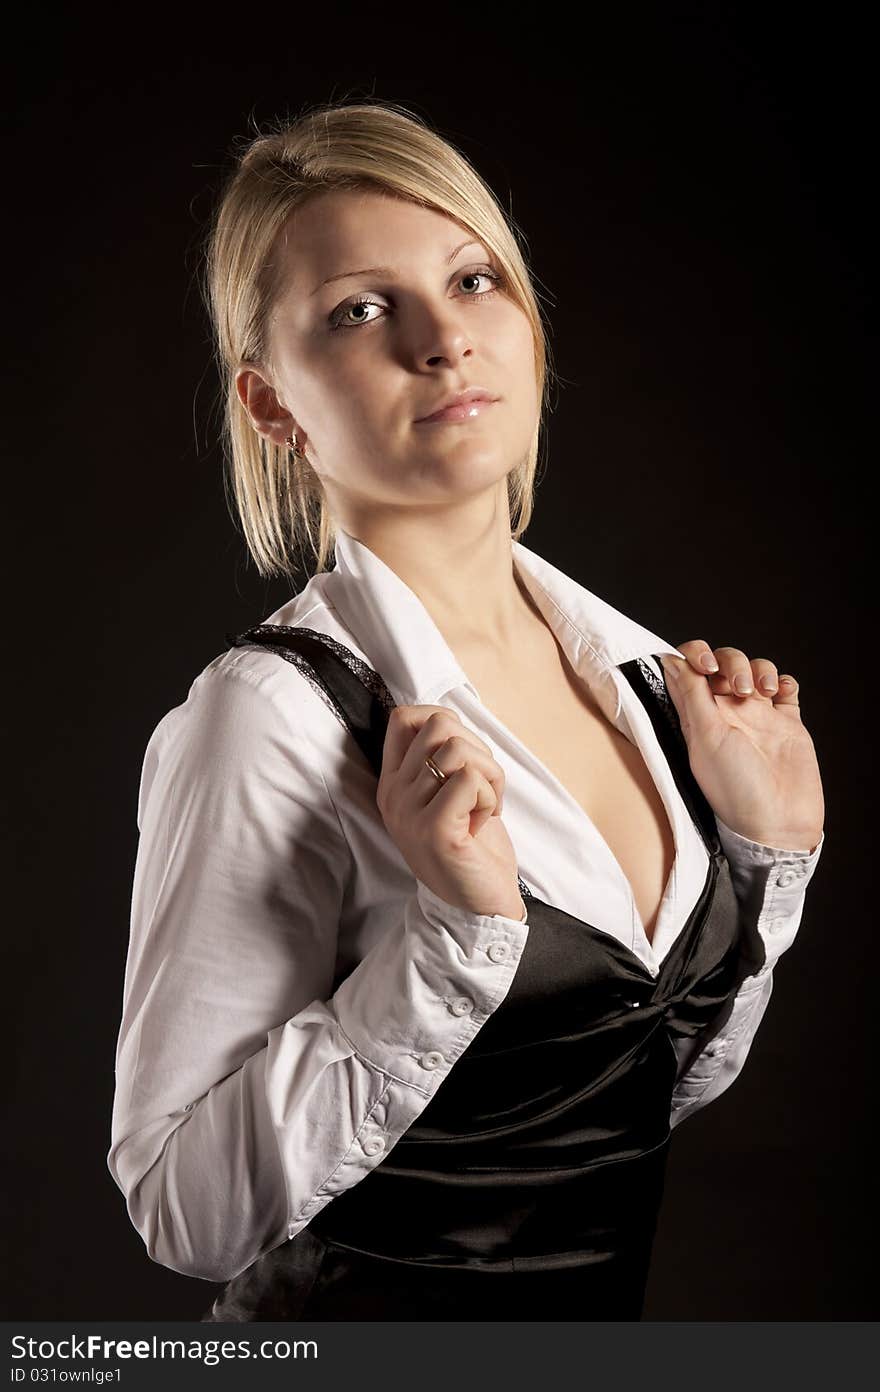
point(404, 723)
point(691, 694)
point(465, 794)
point(733, 674)
point(698, 655)
point(440, 725)
point(763, 675)
point(789, 691)
point(733, 664)
point(735, 667)
point(449, 757)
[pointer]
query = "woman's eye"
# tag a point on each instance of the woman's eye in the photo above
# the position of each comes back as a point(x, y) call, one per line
point(339, 321)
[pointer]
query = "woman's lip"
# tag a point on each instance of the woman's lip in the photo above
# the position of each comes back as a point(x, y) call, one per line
point(465, 410)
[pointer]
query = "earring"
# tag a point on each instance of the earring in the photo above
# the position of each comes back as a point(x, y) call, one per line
point(297, 452)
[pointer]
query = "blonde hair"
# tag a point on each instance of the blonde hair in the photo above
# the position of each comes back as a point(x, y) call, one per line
point(374, 145)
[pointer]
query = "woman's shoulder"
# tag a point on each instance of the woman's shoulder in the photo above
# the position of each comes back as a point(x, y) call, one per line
point(251, 689)
point(252, 732)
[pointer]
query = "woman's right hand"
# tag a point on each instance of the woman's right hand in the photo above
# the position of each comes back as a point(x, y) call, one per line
point(450, 834)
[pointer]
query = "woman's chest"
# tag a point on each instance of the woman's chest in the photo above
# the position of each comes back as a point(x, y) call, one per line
point(552, 713)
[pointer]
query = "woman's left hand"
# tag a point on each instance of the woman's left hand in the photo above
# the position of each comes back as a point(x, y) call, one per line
point(749, 751)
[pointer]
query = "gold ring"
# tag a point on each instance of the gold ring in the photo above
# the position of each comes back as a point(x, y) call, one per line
point(438, 773)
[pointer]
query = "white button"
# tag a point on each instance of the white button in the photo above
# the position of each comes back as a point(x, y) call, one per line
point(498, 951)
point(373, 1145)
point(432, 1059)
point(634, 1003)
point(463, 1005)
point(786, 877)
point(777, 925)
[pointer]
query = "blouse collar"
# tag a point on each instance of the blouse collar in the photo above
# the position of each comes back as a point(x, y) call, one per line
point(405, 646)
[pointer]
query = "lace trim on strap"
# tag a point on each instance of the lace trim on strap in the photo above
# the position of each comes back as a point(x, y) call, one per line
point(664, 700)
point(362, 670)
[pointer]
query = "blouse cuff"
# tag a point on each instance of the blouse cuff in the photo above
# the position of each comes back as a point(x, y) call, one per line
point(770, 884)
point(742, 849)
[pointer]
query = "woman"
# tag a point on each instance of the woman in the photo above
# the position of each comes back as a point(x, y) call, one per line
point(457, 888)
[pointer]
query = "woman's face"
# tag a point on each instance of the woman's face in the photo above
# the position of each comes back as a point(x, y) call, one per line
point(352, 382)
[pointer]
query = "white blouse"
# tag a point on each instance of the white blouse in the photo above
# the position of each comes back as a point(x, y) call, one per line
point(293, 995)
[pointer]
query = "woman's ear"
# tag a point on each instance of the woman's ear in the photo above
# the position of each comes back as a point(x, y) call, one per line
point(268, 417)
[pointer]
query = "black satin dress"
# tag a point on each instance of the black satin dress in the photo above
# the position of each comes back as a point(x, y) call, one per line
point(529, 1187)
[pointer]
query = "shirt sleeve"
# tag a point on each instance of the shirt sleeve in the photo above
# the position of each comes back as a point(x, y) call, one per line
point(770, 887)
point(248, 1092)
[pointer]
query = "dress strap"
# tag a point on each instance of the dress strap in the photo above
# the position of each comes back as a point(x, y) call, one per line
point(651, 691)
point(349, 686)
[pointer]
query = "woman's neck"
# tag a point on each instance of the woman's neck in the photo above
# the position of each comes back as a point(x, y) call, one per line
point(464, 576)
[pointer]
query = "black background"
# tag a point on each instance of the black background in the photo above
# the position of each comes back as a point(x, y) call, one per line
point(693, 186)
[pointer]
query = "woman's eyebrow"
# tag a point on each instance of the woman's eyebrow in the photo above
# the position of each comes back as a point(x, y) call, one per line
point(387, 270)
